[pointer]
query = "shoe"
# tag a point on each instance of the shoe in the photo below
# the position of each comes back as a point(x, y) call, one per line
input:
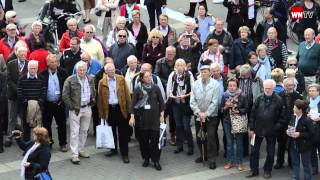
point(87, 21)
point(173, 140)
point(240, 167)
point(111, 153)
point(157, 166)
point(212, 165)
point(227, 166)
point(178, 150)
point(190, 152)
point(125, 159)
point(267, 175)
point(314, 172)
point(278, 166)
point(1, 150)
point(63, 148)
point(75, 160)
point(145, 163)
point(7, 143)
point(199, 160)
point(84, 154)
point(252, 174)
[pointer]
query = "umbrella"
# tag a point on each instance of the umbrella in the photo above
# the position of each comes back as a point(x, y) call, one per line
point(202, 136)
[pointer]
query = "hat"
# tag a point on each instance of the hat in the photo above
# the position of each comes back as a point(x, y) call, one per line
point(204, 67)
point(11, 26)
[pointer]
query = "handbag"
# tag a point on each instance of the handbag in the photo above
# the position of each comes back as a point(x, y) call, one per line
point(239, 123)
point(97, 12)
point(43, 176)
point(104, 136)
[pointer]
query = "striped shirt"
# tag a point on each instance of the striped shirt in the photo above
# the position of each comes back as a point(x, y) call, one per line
point(31, 89)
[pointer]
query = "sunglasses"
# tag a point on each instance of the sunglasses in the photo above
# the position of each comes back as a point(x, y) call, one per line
point(292, 64)
point(156, 37)
point(90, 32)
point(122, 36)
point(14, 16)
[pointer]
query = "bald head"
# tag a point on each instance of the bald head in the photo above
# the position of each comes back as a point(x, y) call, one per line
point(110, 70)
point(309, 35)
point(85, 57)
point(272, 33)
point(146, 67)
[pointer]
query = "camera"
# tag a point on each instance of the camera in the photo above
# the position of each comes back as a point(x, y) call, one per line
point(15, 133)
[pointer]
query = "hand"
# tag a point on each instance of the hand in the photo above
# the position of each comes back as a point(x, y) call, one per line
point(202, 116)
point(132, 122)
point(195, 37)
point(251, 133)
point(26, 164)
point(295, 134)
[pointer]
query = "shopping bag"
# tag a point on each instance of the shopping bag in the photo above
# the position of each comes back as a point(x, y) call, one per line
point(162, 138)
point(104, 136)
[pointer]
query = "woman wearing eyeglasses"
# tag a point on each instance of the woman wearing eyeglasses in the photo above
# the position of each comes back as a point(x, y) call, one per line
point(153, 49)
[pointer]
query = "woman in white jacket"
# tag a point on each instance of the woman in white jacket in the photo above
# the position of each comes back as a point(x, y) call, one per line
point(107, 18)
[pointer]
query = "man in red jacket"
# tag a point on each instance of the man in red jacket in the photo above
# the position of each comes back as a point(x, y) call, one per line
point(7, 43)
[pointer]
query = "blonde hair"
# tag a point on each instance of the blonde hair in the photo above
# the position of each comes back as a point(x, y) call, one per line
point(277, 75)
point(42, 135)
point(261, 47)
point(136, 12)
point(71, 20)
point(245, 29)
point(291, 60)
point(154, 33)
point(180, 62)
point(290, 73)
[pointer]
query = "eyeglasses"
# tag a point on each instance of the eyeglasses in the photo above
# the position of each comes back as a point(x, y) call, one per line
point(156, 37)
point(12, 29)
point(122, 36)
point(14, 16)
point(292, 64)
point(90, 32)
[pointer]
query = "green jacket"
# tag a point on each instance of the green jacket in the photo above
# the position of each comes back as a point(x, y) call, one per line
point(71, 94)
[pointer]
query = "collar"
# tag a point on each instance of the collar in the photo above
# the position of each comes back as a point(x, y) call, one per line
point(112, 79)
point(52, 73)
point(166, 28)
point(309, 44)
point(29, 76)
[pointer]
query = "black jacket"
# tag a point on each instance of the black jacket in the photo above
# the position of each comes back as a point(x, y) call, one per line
point(288, 101)
point(39, 159)
point(163, 70)
point(8, 6)
point(301, 84)
point(267, 119)
point(242, 106)
point(3, 94)
point(62, 76)
point(239, 52)
point(261, 28)
point(13, 77)
point(304, 127)
point(68, 60)
point(141, 38)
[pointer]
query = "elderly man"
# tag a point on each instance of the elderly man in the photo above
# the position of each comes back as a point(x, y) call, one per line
point(78, 96)
point(114, 102)
point(164, 66)
point(93, 65)
point(130, 70)
point(309, 57)
point(7, 43)
point(90, 45)
point(121, 50)
point(267, 119)
point(54, 78)
point(204, 103)
point(30, 87)
point(71, 56)
point(15, 69)
point(277, 50)
point(168, 32)
point(289, 96)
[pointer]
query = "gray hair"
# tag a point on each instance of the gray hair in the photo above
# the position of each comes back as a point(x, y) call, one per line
point(244, 69)
point(285, 81)
point(190, 21)
point(36, 23)
point(21, 48)
point(120, 18)
point(315, 85)
point(33, 62)
point(81, 64)
point(215, 65)
point(71, 20)
point(271, 81)
point(132, 58)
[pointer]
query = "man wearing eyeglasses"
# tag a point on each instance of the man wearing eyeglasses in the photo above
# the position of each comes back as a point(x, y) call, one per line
point(90, 45)
point(121, 50)
point(7, 43)
point(309, 57)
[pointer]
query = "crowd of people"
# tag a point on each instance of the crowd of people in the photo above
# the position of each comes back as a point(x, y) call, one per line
point(240, 77)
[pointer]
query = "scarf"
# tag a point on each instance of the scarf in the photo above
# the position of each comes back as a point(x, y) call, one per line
point(25, 158)
point(145, 89)
point(233, 98)
point(273, 44)
point(314, 103)
point(129, 9)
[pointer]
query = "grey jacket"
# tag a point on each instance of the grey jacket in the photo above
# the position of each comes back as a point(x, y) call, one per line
point(205, 99)
point(71, 94)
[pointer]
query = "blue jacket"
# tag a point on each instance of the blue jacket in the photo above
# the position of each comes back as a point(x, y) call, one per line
point(93, 69)
point(239, 52)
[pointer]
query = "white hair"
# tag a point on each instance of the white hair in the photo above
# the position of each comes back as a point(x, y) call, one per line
point(72, 20)
point(271, 81)
point(285, 81)
point(33, 62)
point(81, 64)
point(190, 21)
point(132, 58)
point(36, 23)
point(10, 14)
point(21, 48)
point(120, 18)
point(215, 65)
point(11, 26)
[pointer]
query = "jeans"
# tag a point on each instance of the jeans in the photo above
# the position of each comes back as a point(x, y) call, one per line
point(295, 160)
point(255, 153)
point(183, 129)
point(314, 157)
point(230, 139)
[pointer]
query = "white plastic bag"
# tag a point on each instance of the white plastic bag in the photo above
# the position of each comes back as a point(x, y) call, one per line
point(104, 136)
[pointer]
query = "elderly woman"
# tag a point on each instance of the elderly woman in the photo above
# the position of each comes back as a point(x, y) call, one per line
point(189, 29)
point(35, 37)
point(139, 31)
point(147, 112)
point(264, 59)
point(213, 54)
point(313, 114)
point(113, 35)
point(107, 18)
point(277, 75)
point(11, 17)
point(153, 49)
point(36, 153)
point(179, 86)
point(292, 63)
point(204, 23)
point(130, 71)
point(72, 31)
point(241, 48)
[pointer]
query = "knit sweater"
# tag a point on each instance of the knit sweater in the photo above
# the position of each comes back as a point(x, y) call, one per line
point(31, 89)
point(309, 59)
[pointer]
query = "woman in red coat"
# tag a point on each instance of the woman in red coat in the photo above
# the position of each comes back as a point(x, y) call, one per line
point(70, 33)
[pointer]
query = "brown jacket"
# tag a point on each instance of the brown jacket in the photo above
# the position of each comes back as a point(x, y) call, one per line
point(123, 94)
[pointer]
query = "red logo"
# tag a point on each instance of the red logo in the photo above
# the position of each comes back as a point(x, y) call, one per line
point(297, 13)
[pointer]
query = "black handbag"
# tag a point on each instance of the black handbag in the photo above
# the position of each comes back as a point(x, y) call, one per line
point(97, 12)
